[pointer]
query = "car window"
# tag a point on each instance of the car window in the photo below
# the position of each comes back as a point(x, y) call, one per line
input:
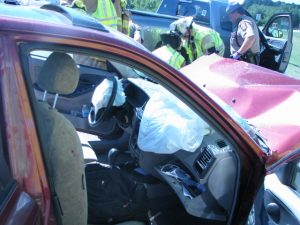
point(144, 108)
point(279, 28)
point(199, 10)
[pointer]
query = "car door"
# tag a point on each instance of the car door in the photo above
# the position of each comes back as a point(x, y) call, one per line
point(282, 191)
point(16, 206)
point(279, 35)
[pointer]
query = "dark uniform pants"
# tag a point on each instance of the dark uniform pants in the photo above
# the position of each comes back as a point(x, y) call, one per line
point(251, 58)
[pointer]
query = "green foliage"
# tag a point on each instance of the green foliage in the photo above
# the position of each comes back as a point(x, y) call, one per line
point(267, 8)
point(145, 5)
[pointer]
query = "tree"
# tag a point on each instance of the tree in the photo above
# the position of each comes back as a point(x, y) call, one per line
point(146, 5)
point(267, 8)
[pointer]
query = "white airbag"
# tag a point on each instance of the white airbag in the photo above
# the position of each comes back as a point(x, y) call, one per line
point(168, 125)
point(103, 92)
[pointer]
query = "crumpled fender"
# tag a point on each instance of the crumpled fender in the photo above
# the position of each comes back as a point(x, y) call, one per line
point(267, 99)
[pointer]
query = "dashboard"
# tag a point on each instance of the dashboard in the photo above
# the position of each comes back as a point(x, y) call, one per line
point(204, 180)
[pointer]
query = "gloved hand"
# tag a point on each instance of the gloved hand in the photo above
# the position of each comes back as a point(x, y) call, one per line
point(236, 55)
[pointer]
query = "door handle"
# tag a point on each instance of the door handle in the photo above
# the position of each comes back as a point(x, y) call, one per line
point(273, 211)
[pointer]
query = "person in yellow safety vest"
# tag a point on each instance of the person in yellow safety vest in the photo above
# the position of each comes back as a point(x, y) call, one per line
point(112, 13)
point(123, 18)
point(79, 5)
point(198, 40)
point(102, 10)
point(125, 24)
point(169, 52)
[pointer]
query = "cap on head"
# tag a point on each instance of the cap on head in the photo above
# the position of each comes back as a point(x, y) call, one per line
point(232, 7)
point(182, 25)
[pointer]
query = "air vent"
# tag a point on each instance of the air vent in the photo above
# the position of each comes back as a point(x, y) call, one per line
point(203, 162)
point(221, 144)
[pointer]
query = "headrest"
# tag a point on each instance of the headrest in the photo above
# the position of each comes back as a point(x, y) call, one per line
point(232, 7)
point(59, 74)
point(182, 25)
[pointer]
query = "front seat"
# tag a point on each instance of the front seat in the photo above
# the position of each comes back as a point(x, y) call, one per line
point(61, 145)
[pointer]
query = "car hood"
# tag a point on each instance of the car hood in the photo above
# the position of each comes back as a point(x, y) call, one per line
point(269, 100)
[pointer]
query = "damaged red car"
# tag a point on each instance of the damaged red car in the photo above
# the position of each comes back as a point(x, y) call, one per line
point(97, 130)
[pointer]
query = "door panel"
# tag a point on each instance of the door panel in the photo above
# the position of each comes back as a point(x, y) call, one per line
point(282, 191)
point(16, 207)
point(281, 202)
point(279, 35)
point(19, 209)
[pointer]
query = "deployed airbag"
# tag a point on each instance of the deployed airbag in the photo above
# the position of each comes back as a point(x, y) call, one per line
point(168, 125)
point(103, 93)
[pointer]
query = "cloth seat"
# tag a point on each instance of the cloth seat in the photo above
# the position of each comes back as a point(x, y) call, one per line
point(60, 143)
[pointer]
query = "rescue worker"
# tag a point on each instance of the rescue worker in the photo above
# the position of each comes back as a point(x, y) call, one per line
point(244, 41)
point(79, 5)
point(111, 13)
point(125, 24)
point(197, 40)
point(169, 52)
point(102, 10)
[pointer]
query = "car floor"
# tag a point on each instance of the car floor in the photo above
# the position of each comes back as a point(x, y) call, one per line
point(165, 207)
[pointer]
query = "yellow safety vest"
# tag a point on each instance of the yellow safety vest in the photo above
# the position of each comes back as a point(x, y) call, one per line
point(125, 24)
point(125, 17)
point(106, 14)
point(170, 56)
point(79, 5)
point(195, 49)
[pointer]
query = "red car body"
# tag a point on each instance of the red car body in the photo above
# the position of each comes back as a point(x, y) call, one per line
point(264, 97)
point(29, 199)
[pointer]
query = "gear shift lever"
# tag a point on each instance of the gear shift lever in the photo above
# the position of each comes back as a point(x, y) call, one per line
point(112, 156)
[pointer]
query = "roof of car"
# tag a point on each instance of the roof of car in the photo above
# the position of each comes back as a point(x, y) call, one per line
point(61, 21)
point(59, 15)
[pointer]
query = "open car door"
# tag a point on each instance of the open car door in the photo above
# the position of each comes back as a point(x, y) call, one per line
point(279, 34)
point(282, 191)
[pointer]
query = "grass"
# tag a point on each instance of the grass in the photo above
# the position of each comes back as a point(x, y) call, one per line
point(293, 68)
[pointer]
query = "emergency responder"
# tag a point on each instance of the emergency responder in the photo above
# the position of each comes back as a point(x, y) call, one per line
point(169, 52)
point(111, 13)
point(197, 40)
point(244, 41)
point(79, 5)
point(125, 24)
point(102, 10)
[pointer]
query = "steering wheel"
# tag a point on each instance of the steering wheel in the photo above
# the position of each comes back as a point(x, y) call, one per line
point(97, 118)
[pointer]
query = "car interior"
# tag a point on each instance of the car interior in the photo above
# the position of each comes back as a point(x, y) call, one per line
point(189, 167)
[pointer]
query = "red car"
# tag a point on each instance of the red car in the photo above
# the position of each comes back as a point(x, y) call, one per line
point(74, 93)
